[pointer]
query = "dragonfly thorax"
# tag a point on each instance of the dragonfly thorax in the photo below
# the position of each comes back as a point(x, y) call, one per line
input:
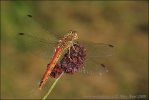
point(68, 40)
point(74, 34)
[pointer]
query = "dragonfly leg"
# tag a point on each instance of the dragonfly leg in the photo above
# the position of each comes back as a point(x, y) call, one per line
point(69, 55)
point(74, 47)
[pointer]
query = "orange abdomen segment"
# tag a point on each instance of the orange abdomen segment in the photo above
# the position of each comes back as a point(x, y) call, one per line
point(50, 67)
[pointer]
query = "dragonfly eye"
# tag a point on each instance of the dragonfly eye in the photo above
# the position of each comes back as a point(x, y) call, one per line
point(75, 35)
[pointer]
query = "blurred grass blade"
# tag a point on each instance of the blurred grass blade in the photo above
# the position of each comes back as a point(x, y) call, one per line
point(51, 88)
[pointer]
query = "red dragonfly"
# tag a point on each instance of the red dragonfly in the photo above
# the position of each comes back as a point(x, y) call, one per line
point(65, 43)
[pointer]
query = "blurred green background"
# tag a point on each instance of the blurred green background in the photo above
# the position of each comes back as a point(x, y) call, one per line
point(122, 23)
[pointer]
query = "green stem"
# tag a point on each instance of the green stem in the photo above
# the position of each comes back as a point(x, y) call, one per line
point(53, 85)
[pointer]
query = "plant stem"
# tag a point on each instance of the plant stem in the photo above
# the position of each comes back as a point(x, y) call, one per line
point(53, 85)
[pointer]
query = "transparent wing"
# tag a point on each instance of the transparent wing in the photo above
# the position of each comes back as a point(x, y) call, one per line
point(35, 39)
point(97, 58)
point(34, 45)
point(43, 25)
point(98, 50)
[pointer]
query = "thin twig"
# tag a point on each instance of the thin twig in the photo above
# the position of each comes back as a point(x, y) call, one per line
point(53, 85)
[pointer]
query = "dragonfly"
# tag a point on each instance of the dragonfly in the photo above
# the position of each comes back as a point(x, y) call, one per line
point(64, 44)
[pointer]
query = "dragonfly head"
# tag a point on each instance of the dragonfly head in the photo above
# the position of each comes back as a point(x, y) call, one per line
point(74, 34)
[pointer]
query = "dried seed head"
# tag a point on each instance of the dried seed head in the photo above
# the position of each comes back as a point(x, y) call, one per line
point(75, 61)
point(56, 72)
point(70, 63)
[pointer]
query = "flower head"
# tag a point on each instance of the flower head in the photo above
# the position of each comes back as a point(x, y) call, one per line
point(71, 62)
point(56, 72)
